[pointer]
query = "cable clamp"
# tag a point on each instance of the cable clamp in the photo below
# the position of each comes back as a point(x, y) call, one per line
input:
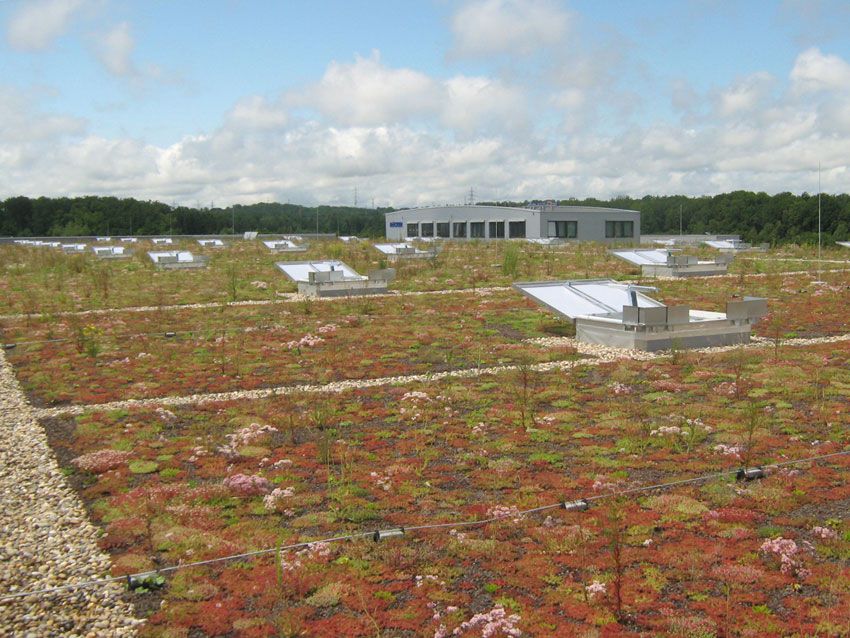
point(575, 506)
point(382, 534)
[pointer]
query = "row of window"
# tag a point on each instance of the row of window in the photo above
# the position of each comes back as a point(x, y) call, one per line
point(567, 230)
point(619, 229)
point(516, 230)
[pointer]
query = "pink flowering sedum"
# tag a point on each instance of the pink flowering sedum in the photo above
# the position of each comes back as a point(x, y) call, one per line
point(247, 485)
point(167, 416)
point(788, 552)
point(244, 436)
point(825, 532)
point(492, 624)
point(596, 588)
point(307, 341)
point(274, 501)
point(504, 511)
point(101, 460)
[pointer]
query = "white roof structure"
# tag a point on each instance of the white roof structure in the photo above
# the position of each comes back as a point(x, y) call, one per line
point(250, 234)
point(299, 271)
point(667, 262)
point(283, 245)
point(347, 238)
point(335, 279)
point(129, 240)
point(213, 243)
point(591, 297)
point(103, 238)
point(727, 244)
point(846, 244)
point(38, 242)
point(544, 241)
point(162, 256)
point(111, 251)
point(616, 314)
point(404, 250)
point(642, 256)
point(73, 248)
point(395, 249)
point(159, 241)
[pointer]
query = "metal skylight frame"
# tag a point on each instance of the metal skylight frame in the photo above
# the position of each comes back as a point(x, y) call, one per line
point(587, 297)
point(299, 271)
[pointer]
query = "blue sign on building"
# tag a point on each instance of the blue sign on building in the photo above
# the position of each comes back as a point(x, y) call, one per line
point(395, 224)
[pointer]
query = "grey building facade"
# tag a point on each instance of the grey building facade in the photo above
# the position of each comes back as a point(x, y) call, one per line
point(537, 221)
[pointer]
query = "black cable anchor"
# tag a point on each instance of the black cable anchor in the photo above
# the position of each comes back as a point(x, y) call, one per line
point(750, 473)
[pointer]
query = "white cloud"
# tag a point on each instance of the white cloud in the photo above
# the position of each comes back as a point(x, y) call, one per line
point(576, 109)
point(476, 103)
point(22, 123)
point(403, 137)
point(114, 49)
point(683, 97)
point(745, 95)
point(38, 23)
point(487, 27)
point(814, 71)
point(257, 113)
point(366, 92)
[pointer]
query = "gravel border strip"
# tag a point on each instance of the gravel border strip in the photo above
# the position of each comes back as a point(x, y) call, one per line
point(46, 539)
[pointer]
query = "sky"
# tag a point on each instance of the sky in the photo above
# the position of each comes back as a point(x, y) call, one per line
point(417, 102)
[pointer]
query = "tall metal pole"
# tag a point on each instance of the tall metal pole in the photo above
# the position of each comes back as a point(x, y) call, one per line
point(819, 233)
point(819, 226)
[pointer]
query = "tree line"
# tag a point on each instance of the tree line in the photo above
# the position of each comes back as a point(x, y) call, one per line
point(756, 217)
point(84, 216)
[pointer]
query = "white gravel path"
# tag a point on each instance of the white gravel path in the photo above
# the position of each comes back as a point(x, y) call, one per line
point(46, 539)
point(289, 297)
point(294, 297)
point(595, 355)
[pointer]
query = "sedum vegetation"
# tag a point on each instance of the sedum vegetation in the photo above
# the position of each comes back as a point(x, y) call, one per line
point(530, 424)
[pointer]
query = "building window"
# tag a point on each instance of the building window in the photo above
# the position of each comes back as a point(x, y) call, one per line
point(563, 229)
point(516, 230)
point(476, 229)
point(413, 230)
point(442, 229)
point(497, 230)
point(427, 229)
point(618, 230)
point(459, 229)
